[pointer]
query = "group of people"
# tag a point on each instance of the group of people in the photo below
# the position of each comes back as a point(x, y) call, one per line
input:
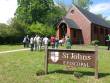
point(36, 42)
point(55, 42)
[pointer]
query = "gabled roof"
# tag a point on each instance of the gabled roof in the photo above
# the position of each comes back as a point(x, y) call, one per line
point(93, 18)
point(71, 23)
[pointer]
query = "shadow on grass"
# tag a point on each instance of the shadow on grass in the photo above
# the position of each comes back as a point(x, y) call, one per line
point(85, 73)
point(61, 71)
point(103, 75)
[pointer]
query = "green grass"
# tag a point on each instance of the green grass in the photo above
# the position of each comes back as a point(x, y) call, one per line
point(21, 67)
point(10, 47)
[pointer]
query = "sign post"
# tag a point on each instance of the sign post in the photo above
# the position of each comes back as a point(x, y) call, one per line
point(75, 58)
point(46, 59)
point(96, 62)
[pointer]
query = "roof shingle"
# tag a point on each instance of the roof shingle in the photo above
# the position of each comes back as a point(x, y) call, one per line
point(71, 23)
point(94, 18)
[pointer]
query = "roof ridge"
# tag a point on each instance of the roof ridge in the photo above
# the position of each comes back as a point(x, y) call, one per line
point(93, 17)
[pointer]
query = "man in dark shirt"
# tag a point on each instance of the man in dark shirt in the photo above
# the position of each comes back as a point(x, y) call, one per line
point(108, 40)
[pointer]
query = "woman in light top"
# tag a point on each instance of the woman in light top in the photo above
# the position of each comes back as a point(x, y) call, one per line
point(32, 43)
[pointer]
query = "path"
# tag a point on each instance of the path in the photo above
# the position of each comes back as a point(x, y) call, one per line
point(14, 50)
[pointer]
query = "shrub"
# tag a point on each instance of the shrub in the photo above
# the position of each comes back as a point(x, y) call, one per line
point(40, 72)
point(42, 29)
point(95, 42)
point(12, 33)
point(78, 74)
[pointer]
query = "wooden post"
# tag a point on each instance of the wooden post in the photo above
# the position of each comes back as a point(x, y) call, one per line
point(96, 62)
point(46, 59)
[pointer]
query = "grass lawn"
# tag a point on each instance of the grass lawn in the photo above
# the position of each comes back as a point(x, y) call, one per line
point(10, 47)
point(21, 67)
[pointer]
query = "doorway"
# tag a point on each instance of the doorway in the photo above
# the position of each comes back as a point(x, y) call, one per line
point(63, 30)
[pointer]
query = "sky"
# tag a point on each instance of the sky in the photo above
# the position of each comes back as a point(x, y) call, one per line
point(8, 8)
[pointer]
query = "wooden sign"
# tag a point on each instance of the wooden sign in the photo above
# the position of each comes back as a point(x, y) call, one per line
point(75, 58)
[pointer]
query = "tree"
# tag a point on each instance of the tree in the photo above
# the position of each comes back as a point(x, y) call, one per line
point(19, 28)
point(108, 21)
point(23, 11)
point(54, 16)
point(83, 3)
point(43, 11)
point(33, 10)
point(13, 32)
point(41, 29)
point(4, 30)
point(101, 16)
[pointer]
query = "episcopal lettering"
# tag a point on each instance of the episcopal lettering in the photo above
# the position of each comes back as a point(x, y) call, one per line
point(76, 64)
point(72, 58)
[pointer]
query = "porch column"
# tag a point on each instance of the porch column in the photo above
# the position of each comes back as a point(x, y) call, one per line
point(98, 33)
point(104, 36)
point(58, 33)
point(69, 32)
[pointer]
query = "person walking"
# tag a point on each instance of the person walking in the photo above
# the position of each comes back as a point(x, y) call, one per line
point(68, 43)
point(38, 43)
point(108, 40)
point(52, 41)
point(24, 41)
point(56, 42)
point(45, 41)
point(27, 41)
point(32, 43)
point(61, 42)
point(35, 42)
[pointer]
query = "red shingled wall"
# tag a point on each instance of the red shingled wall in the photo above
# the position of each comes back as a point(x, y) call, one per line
point(82, 22)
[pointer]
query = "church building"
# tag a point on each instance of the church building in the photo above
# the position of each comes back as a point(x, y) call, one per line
point(82, 26)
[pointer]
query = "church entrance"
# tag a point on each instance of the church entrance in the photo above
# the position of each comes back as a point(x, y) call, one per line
point(74, 33)
point(62, 30)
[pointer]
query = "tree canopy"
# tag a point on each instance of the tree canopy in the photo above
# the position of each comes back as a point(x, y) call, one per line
point(43, 11)
point(83, 3)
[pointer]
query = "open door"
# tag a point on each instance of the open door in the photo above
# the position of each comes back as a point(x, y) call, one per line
point(62, 30)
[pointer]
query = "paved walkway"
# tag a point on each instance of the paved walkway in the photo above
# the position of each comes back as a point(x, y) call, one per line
point(14, 50)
